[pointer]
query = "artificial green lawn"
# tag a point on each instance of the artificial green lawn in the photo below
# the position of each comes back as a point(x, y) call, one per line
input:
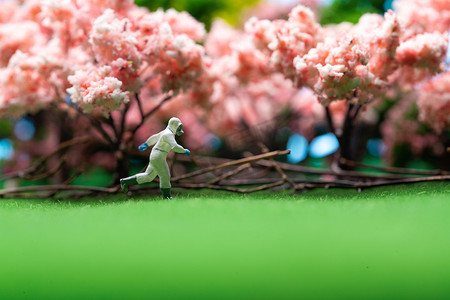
point(384, 243)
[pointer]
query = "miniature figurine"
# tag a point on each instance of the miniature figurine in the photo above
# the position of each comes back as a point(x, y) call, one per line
point(165, 141)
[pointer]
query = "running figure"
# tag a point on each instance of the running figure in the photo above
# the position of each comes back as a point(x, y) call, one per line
point(165, 141)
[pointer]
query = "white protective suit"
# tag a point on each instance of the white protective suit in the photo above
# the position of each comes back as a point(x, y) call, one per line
point(164, 142)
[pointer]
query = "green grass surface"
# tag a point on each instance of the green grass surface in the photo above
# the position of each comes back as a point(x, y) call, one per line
point(384, 243)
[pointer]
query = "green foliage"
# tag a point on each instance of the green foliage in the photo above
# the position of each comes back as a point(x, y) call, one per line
point(349, 10)
point(203, 10)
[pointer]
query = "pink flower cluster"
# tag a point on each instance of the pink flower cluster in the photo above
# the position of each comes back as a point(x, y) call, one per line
point(422, 16)
point(382, 42)
point(179, 22)
point(7, 9)
point(332, 69)
point(30, 82)
point(113, 43)
point(402, 128)
point(286, 39)
point(93, 87)
point(21, 36)
point(353, 64)
point(169, 48)
point(426, 51)
point(434, 102)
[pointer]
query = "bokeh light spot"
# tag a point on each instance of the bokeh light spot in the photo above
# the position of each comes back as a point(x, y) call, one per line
point(24, 129)
point(323, 145)
point(298, 145)
point(376, 147)
point(388, 5)
point(6, 149)
point(212, 141)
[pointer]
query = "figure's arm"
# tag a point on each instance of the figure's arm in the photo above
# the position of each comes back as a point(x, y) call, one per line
point(150, 142)
point(175, 147)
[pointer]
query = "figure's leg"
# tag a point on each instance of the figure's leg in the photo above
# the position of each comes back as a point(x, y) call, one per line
point(139, 178)
point(125, 182)
point(162, 169)
point(147, 176)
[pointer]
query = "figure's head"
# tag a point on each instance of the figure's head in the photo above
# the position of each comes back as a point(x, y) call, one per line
point(176, 126)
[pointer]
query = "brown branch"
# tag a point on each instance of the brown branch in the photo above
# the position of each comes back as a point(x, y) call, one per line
point(270, 183)
point(330, 120)
point(114, 128)
point(232, 163)
point(150, 113)
point(317, 171)
point(355, 164)
point(228, 188)
point(122, 122)
point(403, 181)
point(74, 176)
point(277, 167)
point(230, 173)
point(336, 183)
point(138, 100)
point(40, 162)
point(207, 161)
point(98, 126)
point(47, 174)
point(356, 111)
point(57, 188)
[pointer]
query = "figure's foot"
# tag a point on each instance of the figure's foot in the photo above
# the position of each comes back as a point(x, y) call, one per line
point(124, 186)
point(166, 194)
point(125, 182)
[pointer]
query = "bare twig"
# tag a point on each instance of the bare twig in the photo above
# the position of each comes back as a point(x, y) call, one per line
point(230, 173)
point(58, 188)
point(74, 176)
point(317, 171)
point(48, 173)
point(352, 163)
point(207, 161)
point(277, 167)
point(228, 188)
point(330, 120)
point(40, 162)
point(232, 163)
point(403, 181)
point(114, 128)
point(122, 122)
point(150, 113)
point(309, 184)
point(98, 126)
point(139, 103)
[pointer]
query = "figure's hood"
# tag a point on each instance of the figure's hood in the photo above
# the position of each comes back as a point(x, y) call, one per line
point(173, 125)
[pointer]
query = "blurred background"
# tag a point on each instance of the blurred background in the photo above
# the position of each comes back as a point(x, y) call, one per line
point(21, 137)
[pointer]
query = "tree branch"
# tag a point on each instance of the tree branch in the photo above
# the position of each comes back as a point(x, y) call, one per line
point(330, 120)
point(58, 188)
point(138, 100)
point(230, 173)
point(40, 162)
point(232, 163)
point(150, 113)
point(98, 126)
point(355, 164)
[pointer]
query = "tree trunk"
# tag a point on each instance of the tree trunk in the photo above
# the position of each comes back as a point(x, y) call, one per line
point(347, 138)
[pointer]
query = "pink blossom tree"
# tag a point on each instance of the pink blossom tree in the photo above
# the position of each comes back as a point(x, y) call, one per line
point(104, 67)
point(245, 95)
point(344, 62)
point(100, 55)
point(424, 44)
